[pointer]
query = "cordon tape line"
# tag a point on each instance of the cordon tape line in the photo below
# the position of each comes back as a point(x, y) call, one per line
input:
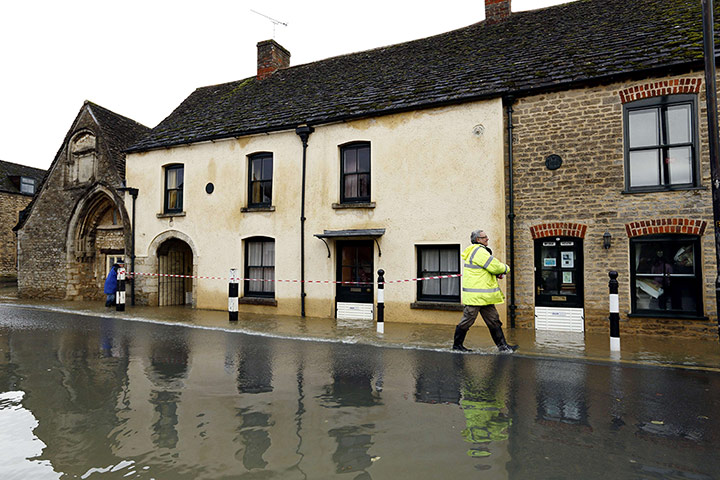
point(291, 281)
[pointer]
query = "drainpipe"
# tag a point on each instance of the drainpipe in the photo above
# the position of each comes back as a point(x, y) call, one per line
point(133, 193)
point(511, 207)
point(303, 131)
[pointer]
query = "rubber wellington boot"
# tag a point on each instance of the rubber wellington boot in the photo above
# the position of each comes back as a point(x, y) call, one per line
point(499, 338)
point(459, 339)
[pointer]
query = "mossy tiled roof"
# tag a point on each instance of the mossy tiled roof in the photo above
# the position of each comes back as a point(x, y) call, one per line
point(118, 133)
point(581, 41)
point(9, 172)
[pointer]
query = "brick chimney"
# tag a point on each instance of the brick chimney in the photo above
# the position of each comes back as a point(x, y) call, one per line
point(270, 57)
point(496, 10)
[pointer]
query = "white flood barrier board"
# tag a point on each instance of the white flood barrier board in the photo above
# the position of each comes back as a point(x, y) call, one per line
point(354, 311)
point(560, 319)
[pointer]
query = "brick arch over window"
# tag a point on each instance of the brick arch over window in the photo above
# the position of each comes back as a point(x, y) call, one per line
point(666, 225)
point(558, 229)
point(658, 89)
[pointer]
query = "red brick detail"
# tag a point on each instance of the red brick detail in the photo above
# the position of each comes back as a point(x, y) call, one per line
point(558, 229)
point(658, 89)
point(666, 225)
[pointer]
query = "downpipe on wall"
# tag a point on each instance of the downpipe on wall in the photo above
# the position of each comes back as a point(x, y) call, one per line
point(303, 131)
point(511, 209)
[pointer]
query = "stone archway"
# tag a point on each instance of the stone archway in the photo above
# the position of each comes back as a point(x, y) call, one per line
point(96, 239)
point(175, 265)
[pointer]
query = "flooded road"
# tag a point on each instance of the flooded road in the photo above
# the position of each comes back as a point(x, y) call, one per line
point(97, 398)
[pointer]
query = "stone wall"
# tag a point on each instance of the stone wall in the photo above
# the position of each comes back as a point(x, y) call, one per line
point(52, 263)
point(10, 205)
point(585, 128)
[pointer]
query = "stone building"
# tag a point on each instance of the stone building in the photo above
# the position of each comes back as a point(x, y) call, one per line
point(18, 184)
point(77, 225)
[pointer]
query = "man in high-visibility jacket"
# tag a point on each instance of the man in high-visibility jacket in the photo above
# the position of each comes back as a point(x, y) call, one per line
point(480, 292)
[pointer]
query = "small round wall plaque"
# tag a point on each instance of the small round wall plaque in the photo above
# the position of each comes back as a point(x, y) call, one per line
point(553, 162)
point(209, 188)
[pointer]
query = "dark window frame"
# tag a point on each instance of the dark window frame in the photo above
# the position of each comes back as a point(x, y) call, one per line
point(346, 149)
point(661, 104)
point(28, 181)
point(178, 208)
point(423, 297)
point(268, 288)
point(666, 240)
point(262, 183)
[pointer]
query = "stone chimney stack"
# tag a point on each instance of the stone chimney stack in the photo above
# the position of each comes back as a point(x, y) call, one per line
point(270, 57)
point(496, 10)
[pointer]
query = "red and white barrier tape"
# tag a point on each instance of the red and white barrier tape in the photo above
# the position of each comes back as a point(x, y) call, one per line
point(130, 274)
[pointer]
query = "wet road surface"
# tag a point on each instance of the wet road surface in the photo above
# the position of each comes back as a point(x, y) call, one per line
point(83, 396)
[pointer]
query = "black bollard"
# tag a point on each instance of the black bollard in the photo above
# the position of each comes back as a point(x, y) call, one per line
point(233, 296)
point(381, 302)
point(120, 294)
point(614, 312)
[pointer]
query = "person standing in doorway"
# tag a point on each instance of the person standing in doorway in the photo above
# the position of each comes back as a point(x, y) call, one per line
point(481, 292)
point(111, 284)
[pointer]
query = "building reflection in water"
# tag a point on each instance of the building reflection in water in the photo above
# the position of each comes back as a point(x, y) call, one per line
point(561, 394)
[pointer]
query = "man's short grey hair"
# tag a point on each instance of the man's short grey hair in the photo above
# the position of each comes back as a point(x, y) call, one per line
point(475, 236)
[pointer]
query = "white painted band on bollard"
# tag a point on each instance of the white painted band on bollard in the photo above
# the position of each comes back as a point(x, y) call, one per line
point(381, 295)
point(614, 344)
point(380, 327)
point(614, 303)
point(232, 304)
point(120, 297)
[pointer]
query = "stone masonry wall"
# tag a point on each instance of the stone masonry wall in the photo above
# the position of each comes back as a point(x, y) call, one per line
point(10, 206)
point(585, 128)
point(46, 268)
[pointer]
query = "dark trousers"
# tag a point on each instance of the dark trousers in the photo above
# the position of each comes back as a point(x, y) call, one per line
point(488, 313)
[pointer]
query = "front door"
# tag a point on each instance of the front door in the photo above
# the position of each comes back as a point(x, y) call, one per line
point(559, 272)
point(355, 265)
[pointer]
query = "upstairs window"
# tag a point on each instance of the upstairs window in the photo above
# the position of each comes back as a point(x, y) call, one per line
point(260, 175)
point(260, 267)
point(435, 261)
point(27, 185)
point(355, 173)
point(661, 146)
point(174, 188)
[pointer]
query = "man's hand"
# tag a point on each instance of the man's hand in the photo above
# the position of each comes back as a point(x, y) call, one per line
point(500, 276)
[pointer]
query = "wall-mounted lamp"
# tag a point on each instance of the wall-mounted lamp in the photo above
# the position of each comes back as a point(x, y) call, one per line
point(606, 240)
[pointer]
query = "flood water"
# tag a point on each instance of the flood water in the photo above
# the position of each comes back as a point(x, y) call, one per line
point(93, 398)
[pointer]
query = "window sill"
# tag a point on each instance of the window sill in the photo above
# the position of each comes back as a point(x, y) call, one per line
point(453, 307)
point(667, 315)
point(270, 302)
point(169, 215)
point(270, 208)
point(340, 206)
point(660, 190)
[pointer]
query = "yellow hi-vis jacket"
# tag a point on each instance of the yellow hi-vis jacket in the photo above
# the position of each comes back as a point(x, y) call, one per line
point(479, 280)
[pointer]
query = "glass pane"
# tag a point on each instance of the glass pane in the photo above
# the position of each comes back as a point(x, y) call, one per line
point(269, 254)
point(365, 255)
point(255, 254)
point(256, 169)
point(365, 274)
point(267, 168)
point(267, 192)
point(348, 256)
point(171, 177)
point(430, 260)
point(347, 274)
point(643, 128)
point(172, 199)
point(683, 258)
point(644, 168)
point(351, 187)
point(453, 286)
point(431, 287)
point(269, 274)
point(255, 286)
point(256, 192)
point(363, 185)
point(364, 159)
point(678, 124)
point(549, 282)
point(680, 165)
point(350, 161)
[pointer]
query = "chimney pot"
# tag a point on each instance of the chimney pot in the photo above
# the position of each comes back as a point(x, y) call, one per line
point(496, 10)
point(271, 56)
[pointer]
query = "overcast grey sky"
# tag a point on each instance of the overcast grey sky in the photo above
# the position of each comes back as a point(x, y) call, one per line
point(142, 58)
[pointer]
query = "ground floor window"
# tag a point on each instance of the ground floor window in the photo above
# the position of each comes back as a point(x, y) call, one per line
point(434, 261)
point(260, 267)
point(666, 275)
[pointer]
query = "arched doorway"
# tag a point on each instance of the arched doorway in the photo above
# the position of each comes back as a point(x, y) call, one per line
point(174, 257)
point(96, 240)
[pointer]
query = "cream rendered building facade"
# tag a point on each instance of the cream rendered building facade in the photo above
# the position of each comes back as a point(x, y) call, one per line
point(436, 175)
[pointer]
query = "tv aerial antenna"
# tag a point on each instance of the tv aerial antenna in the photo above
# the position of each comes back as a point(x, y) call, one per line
point(274, 21)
